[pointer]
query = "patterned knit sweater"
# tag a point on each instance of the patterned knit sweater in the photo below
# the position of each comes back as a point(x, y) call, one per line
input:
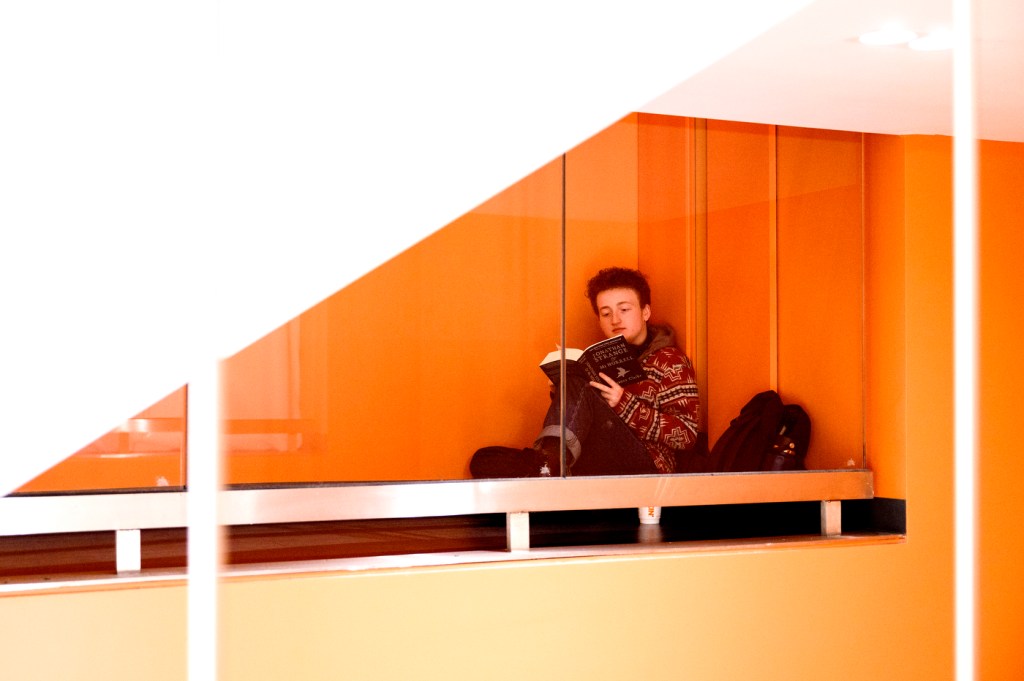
point(663, 411)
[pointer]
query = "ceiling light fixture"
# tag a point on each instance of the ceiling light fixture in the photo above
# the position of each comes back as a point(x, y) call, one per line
point(888, 35)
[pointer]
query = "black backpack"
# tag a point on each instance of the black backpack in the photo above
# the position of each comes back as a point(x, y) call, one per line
point(766, 436)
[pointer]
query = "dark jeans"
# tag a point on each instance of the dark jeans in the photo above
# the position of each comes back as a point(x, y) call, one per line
point(601, 442)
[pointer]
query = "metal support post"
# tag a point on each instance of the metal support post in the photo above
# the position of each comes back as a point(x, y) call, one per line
point(831, 518)
point(128, 545)
point(517, 531)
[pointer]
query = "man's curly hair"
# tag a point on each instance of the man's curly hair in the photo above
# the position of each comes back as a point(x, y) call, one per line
point(618, 277)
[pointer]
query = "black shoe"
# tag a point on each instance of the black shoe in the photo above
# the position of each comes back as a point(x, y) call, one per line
point(550, 453)
point(506, 462)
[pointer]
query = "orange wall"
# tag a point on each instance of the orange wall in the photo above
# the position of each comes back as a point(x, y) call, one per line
point(928, 364)
point(1001, 373)
point(865, 612)
point(885, 309)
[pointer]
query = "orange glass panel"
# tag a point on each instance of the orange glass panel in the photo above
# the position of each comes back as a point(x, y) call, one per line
point(738, 268)
point(665, 219)
point(629, 203)
point(885, 353)
point(147, 450)
point(406, 372)
point(820, 288)
point(601, 219)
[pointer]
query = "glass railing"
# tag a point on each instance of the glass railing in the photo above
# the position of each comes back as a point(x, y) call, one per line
point(751, 237)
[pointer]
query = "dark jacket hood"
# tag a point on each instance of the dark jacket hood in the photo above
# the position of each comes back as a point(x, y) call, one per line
point(662, 336)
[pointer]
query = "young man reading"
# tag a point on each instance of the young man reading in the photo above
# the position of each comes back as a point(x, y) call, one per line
point(645, 427)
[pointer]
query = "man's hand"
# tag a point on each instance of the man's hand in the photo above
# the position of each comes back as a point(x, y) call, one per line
point(610, 390)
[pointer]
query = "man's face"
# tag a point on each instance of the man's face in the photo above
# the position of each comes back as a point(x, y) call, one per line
point(619, 311)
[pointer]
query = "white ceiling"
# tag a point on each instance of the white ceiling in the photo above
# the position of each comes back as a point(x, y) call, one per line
point(811, 71)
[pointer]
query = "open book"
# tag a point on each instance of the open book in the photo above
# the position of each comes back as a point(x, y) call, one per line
point(613, 356)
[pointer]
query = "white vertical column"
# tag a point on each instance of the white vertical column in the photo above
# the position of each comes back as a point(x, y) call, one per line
point(965, 322)
point(204, 534)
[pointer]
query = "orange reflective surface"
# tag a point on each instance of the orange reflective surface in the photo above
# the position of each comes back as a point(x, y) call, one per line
point(403, 374)
point(147, 450)
point(821, 288)
point(1001, 243)
point(738, 205)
